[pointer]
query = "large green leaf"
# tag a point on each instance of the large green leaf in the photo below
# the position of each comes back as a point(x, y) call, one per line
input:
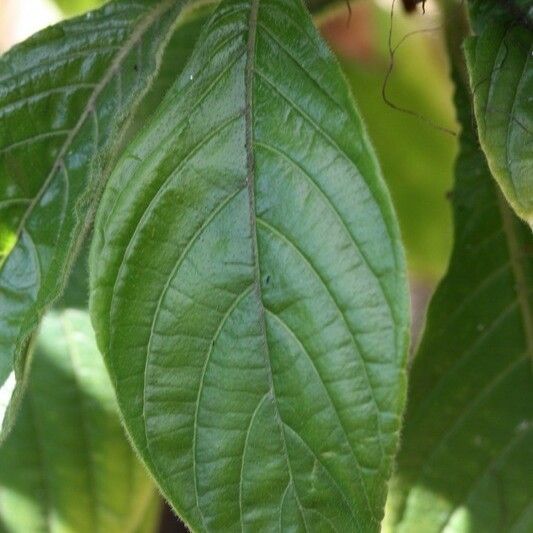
point(467, 446)
point(248, 286)
point(500, 61)
point(67, 465)
point(66, 96)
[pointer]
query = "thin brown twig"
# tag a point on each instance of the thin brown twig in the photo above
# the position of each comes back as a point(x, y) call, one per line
point(392, 52)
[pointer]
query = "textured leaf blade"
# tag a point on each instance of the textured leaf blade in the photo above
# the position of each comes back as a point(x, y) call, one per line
point(248, 286)
point(468, 432)
point(67, 465)
point(500, 62)
point(64, 97)
point(176, 54)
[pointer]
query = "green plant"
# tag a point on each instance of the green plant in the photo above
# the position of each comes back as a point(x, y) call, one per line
point(248, 288)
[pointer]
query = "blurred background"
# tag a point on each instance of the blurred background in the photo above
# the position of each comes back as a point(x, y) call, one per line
point(417, 158)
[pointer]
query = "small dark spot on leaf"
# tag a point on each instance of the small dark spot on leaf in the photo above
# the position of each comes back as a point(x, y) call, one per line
point(135, 67)
point(267, 280)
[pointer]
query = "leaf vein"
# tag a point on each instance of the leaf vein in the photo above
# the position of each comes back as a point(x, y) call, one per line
point(333, 143)
point(335, 212)
point(248, 431)
point(497, 380)
point(275, 232)
point(332, 403)
point(232, 308)
point(512, 116)
point(7, 108)
point(33, 138)
point(479, 479)
point(306, 72)
point(250, 182)
point(463, 358)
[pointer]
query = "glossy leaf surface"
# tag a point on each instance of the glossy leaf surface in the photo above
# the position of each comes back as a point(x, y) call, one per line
point(248, 287)
point(65, 96)
point(67, 465)
point(500, 61)
point(176, 54)
point(467, 440)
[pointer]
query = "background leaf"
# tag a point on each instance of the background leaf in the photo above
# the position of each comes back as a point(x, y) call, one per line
point(64, 99)
point(500, 61)
point(77, 7)
point(468, 432)
point(67, 465)
point(248, 286)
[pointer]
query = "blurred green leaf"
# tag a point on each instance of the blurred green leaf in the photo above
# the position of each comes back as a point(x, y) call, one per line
point(67, 465)
point(77, 7)
point(152, 519)
point(500, 61)
point(467, 447)
point(416, 158)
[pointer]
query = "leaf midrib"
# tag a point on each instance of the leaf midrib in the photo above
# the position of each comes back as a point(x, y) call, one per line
point(146, 22)
point(250, 72)
point(250, 184)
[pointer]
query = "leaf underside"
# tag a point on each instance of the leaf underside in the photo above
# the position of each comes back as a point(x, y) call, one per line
point(248, 287)
point(67, 465)
point(65, 95)
point(500, 62)
point(467, 440)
